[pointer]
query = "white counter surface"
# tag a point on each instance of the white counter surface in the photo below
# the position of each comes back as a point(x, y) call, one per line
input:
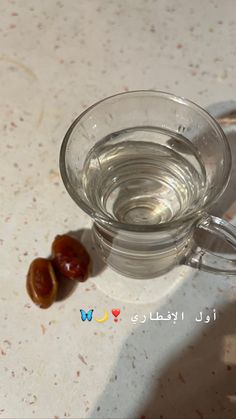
point(56, 59)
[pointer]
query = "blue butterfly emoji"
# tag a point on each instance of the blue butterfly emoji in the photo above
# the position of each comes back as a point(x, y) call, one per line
point(87, 316)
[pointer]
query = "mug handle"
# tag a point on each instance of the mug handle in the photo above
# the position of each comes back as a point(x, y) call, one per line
point(206, 260)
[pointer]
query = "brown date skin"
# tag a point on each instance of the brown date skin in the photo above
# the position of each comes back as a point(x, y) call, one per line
point(70, 258)
point(41, 282)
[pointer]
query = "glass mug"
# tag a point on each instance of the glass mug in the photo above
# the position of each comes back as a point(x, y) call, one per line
point(146, 166)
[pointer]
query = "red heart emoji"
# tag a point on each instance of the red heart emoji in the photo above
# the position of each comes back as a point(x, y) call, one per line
point(115, 312)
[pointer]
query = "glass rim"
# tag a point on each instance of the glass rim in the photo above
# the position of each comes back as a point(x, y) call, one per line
point(109, 221)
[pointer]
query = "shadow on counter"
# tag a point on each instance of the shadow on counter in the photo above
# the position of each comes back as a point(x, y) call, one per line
point(155, 379)
point(199, 382)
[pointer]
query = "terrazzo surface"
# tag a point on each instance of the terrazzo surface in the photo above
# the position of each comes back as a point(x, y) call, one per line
point(56, 59)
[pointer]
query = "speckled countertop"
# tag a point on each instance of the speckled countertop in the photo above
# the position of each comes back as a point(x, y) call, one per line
point(57, 58)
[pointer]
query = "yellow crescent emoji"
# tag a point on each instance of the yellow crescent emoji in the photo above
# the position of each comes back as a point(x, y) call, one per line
point(103, 319)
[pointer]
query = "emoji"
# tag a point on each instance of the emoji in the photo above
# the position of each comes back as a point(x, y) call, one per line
point(115, 312)
point(103, 319)
point(87, 316)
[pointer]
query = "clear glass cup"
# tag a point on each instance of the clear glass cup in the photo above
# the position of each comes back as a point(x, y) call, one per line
point(146, 166)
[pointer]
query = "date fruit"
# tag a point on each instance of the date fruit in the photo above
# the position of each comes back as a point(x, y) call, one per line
point(70, 258)
point(41, 282)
